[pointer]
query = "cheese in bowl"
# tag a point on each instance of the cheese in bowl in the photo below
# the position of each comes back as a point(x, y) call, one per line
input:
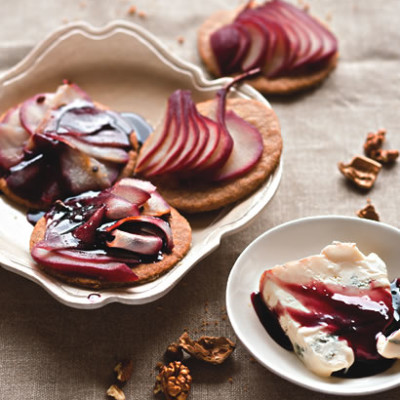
point(335, 310)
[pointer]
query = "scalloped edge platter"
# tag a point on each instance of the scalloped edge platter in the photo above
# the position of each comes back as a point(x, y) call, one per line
point(124, 66)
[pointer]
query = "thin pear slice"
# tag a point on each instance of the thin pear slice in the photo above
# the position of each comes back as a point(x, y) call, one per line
point(141, 244)
point(78, 264)
point(319, 34)
point(244, 45)
point(106, 138)
point(86, 122)
point(67, 93)
point(157, 146)
point(310, 42)
point(144, 223)
point(118, 207)
point(130, 192)
point(167, 148)
point(11, 117)
point(156, 206)
point(112, 154)
point(33, 110)
point(300, 37)
point(225, 142)
point(86, 232)
point(12, 144)
point(82, 172)
point(279, 54)
point(221, 151)
point(287, 33)
point(139, 183)
point(176, 143)
point(197, 122)
point(99, 256)
point(151, 145)
point(26, 178)
point(188, 136)
point(258, 45)
point(212, 129)
point(247, 148)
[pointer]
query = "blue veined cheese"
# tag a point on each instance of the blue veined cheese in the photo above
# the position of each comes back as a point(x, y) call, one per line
point(320, 352)
point(304, 293)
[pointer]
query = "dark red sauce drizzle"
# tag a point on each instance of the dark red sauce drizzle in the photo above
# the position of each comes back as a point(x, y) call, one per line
point(355, 315)
point(65, 218)
point(90, 122)
point(33, 216)
point(39, 177)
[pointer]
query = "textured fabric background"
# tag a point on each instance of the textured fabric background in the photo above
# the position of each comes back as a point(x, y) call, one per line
point(49, 351)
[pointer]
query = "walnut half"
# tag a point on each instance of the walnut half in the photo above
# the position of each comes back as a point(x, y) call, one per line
point(214, 350)
point(361, 170)
point(174, 381)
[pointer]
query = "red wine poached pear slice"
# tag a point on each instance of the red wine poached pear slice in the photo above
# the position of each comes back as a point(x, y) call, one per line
point(55, 145)
point(283, 40)
point(200, 146)
point(142, 244)
point(33, 110)
point(90, 235)
point(12, 143)
point(111, 271)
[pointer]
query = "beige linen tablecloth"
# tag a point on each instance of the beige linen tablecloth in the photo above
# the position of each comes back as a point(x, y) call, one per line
point(49, 351)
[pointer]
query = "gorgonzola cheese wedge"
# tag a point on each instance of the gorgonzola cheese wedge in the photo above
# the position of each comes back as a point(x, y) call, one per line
point(331, 305)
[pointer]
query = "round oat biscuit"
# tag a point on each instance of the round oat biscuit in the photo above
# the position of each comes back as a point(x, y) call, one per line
point(197, 196)
point(182, 238)
point(280, 85)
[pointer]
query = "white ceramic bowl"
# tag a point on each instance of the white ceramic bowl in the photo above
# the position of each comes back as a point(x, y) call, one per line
point(127, 68)
point(294, 240)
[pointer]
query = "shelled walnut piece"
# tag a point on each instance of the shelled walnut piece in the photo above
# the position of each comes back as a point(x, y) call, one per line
point(368, 212)
point(116, 393)
point(361, 170)
point(373, 148)
point(123, 370)
point(214, 350)
point(174, 352)
point(174, 380)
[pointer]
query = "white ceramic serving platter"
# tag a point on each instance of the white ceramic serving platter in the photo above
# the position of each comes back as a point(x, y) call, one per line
point(291, 241)
point(127, 68)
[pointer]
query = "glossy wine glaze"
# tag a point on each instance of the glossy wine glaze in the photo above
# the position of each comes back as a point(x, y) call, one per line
point(270, 322)
point(66, 218)
point(355, 315)
point(33, 216)
point(136, 124)
point(86, 132)
point(103, 235)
